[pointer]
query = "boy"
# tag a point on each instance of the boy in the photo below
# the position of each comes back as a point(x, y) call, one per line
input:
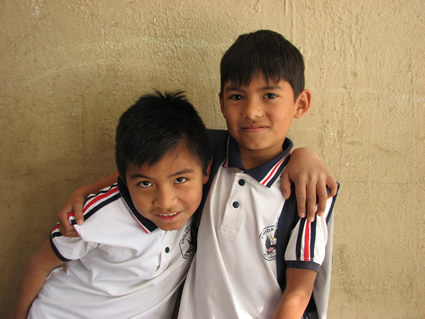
point(257, 148)
point(127, 261)
point(233, 274)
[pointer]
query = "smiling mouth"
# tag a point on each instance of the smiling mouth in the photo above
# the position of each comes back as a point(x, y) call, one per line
point(254, 128)
point(168, 215)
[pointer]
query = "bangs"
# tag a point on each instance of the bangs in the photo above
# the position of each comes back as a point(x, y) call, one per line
point(243, 65)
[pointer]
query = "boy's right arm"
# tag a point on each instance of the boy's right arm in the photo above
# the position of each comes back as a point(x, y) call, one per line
point(297, 294)
point(76, 201)
point(35, 273)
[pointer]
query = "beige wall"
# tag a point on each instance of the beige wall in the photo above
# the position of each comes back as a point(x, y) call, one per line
point(70, 68)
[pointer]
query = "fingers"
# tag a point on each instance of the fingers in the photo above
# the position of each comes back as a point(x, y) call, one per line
point(78, 213)
point(311, 198)
point(317, 195)
point(63, 215)
point(285, 185)
point(68, 230)
point(333, 186)
point(300, 190)
point(306, 202)
point(65, 227)
point(325, 190)
point(322, 198)
point(311, 201)
point(311, 178)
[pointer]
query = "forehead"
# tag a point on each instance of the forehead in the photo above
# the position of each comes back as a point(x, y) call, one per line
point(173, 160)
point(246, 76)
point(258, 81)
point(184, 153)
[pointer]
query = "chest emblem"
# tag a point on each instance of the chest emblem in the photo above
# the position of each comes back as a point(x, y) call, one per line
point(268, 238)
point(186, 245)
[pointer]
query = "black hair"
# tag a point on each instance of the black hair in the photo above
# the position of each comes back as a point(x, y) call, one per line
point(266, 52)
point(156, 124)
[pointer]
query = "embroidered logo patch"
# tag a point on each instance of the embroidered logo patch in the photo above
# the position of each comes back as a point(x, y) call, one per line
point(268, 237)
point(186, 246)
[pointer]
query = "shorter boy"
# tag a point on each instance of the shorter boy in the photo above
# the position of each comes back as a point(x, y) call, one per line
point(135, 246)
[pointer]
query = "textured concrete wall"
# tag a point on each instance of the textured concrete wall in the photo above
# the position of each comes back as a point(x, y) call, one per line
point(69, 68)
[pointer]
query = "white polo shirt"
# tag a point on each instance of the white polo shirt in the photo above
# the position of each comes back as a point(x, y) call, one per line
point(233, 274)
point(122, 266)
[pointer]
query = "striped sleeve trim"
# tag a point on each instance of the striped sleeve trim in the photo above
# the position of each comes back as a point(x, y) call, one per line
point(94, 203)
point(311, 265)
point(55, 231)
point(306, 240)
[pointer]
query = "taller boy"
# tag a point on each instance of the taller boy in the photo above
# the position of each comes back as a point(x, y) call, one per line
point(234, 272)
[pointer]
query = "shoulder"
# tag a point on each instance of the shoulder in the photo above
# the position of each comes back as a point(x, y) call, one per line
point(218, 141)
point(217, 136)
point(104, 198)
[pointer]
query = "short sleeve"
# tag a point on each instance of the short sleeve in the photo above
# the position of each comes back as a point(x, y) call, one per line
point(307, 244)
point(69, 248)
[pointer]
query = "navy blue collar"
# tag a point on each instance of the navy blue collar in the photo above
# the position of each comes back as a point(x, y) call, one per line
point(147, 225)
point(265, 173)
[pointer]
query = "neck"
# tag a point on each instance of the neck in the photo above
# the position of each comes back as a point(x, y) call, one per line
point(252, 159)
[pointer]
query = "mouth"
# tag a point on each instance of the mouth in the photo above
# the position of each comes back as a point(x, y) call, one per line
point(254, 128)
point(168, 215)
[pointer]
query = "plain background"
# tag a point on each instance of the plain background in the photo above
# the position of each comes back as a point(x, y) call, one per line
point(68, 69)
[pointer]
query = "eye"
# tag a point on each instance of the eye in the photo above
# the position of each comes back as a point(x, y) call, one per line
point(236, 97)
point(180, 180)
point(270, 96)
point(145, 184)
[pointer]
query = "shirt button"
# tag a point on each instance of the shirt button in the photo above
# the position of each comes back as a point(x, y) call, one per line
point(167, 249)
point(235, 204)
point(242, 182)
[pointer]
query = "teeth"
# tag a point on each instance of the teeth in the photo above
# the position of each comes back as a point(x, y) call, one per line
point(168, 215)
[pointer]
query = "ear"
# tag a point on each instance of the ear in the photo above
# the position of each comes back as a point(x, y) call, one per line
point(207, 176)
point(302, 104)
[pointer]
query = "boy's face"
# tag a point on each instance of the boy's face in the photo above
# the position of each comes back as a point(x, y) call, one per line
point(259, 116)
point(169, 192)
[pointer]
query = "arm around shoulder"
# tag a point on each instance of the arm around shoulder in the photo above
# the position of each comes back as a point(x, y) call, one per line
point(75, 204)
point(35, 273)
point(312, 180)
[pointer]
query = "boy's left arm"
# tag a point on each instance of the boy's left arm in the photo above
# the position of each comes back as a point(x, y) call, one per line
point(299, 287)
point(312, 181)
point(35, 273)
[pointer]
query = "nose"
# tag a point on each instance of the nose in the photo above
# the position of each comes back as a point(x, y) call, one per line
point(165, 198)
point(252, 109)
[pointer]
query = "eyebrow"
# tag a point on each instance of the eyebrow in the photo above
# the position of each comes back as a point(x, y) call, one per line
point(183, 171)
point(239, 88)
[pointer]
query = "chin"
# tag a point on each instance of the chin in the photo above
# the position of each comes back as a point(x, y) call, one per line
point(171, 226)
